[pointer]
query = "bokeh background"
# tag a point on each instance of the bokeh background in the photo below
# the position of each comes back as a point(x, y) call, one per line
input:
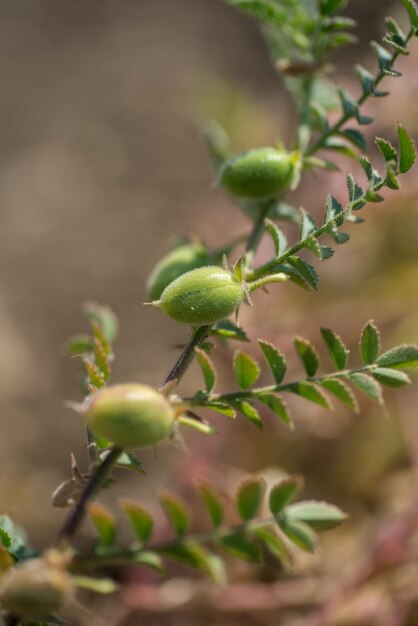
point(103, 168)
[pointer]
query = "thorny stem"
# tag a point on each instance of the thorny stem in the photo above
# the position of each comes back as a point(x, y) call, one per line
point(346, 116)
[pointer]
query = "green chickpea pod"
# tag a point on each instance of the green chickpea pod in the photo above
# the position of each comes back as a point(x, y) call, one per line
point(258, 174)
point(129, 415)
point(203, 296)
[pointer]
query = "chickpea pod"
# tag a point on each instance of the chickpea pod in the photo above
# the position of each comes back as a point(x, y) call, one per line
point(129, 415)
point(259, 173)
point(203, 296)
point(36, 588)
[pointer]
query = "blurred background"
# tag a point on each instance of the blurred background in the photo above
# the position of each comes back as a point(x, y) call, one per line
point(103, 168)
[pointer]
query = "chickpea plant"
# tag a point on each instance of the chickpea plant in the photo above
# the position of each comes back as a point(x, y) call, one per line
point(204, 289)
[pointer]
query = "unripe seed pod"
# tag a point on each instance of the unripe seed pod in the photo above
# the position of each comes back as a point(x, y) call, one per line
point(129, 415)
point(259, 173)
point(202, 296)
point(174, 264)
point(34, 589)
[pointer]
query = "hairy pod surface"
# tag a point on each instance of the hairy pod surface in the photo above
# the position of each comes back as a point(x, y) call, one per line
point(258, 173)
point(34, 589)
point(174, 264)
point(129, 415)
point(202, 296)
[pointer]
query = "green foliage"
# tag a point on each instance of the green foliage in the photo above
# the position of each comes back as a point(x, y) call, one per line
point(367, 378)
point(301, 35)
point(246, 370)
point(249, 499)
point(287, 521)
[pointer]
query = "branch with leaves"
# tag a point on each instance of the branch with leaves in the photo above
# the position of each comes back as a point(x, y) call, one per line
point(191, 286)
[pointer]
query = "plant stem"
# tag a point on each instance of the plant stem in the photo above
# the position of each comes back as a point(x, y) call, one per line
point(256, 233)
point(185, 358)
point(96, 479)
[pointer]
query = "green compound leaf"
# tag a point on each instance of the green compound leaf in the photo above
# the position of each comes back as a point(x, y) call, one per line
point(277, 405)
point(367, 385)
point(249, 411)
point(339, 389)
point(307, 354)
point(274, 544)
point(140, 520)
point(104, 523)
point(213, 503)
point(308, 272)
point(369, 343)
point(275, 360)
point(336, 348)
point(300, 534)
point(249, 498)
point(283, 493)
point(318, 515)
point(402, 357)
point(279, 238)
point(407, 150)
point(227, 330)
point(391, 377)
point(246, 369)
point(208, 369)
point(177, 512)
point(310, 392)
point(240, 546)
